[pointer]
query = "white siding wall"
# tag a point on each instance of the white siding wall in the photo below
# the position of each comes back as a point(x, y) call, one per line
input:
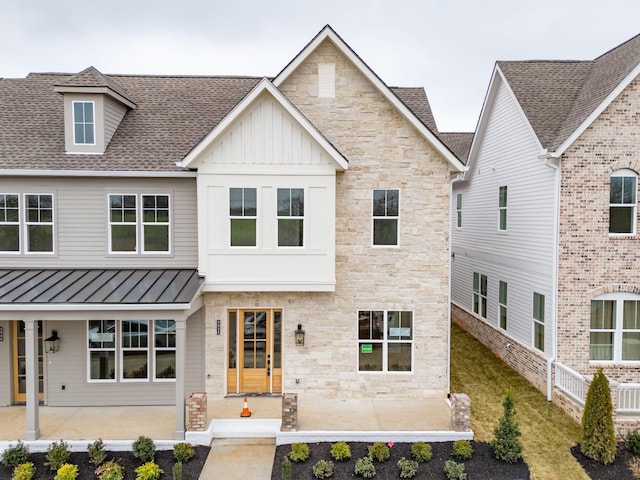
point(6, 383)
point(523, 255)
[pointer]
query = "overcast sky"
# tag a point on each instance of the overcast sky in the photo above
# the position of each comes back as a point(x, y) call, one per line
point(447, 46)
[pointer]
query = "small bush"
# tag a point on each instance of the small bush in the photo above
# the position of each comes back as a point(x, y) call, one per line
point(176, 471)
point(408, 468)
point(14, 456)
point(96, 453)
point(67, 472)
point(634, 467)
point(454, 470)
point(365, 467)
point(633, 443)
point(144, 449)
point(462, 450)
point(24, 471)
point(379, 452)
point(110, 470)
point(506, 436)
point(598, 436)
point(285, 468)
point(421, 452)
point(323, 469)
point(57, 455)
point(299, 452)
point(148, 471)
point(340, 451)
point(183, 452)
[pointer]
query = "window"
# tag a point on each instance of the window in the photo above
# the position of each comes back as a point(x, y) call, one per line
point(290, 217)
point(480, 294)
point(135, 349)
point(459, 210)
point(611, 339)
point(165, 348)
point(102, 349)
point(9, 222)
point(622, 202)
point(502, 304)
point(538, 321)
point(124, 226)
point(122, 223)
point(385, 341)
point(39, 223)
point(502, 208)
point(385, 217)
point(155, 223)
point(83, 123)
point(243, 212)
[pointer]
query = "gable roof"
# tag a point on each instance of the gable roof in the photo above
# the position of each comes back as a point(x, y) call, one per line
point(561, 98)
point(91, 80)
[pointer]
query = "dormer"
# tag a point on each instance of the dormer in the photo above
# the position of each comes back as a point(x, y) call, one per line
point(94, 106)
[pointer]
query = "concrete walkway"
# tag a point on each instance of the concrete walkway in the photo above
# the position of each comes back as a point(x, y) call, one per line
point(240, 459)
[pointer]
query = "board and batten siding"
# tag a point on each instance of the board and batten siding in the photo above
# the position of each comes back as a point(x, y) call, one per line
point(507, 155)
point(81, 227)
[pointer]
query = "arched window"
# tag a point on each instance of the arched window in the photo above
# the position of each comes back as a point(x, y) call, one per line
point(622, 202)
point(615, 328)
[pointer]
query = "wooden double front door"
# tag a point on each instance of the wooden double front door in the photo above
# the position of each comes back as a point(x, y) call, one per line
point(20, 362)
point(254, 351)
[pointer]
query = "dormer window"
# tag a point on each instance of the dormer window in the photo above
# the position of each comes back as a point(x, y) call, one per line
point(84, 123)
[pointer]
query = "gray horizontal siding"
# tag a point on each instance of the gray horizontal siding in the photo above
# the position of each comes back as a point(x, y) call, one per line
point(113, 115)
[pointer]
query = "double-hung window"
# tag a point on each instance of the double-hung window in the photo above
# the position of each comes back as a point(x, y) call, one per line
point(243, 215)
point(622, 202)
point(102, 350)
point(502, 208)
point(538, 321)
point(480, 294)
point(9, 222)
point(39, 223)
point(385, 341)
point(164, 332)
point(135, 349)
point(290, 217)
point(123, 228)
point(127, 223)
point(386, 208)
point(155, 223)
point(502, 304)
point(84, 123)
point(615, 328)
point(459, 210)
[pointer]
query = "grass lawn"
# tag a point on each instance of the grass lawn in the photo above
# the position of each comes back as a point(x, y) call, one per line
point(547, 432)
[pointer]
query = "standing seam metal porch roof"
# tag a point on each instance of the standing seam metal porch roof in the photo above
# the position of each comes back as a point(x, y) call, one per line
point(98, 286)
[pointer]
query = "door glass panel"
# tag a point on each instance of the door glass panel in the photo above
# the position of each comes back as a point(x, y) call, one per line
point(277, 339)
point(261, 354)
point(249, 326)
point(261, 325)
point(248, 354)
point(232, 325)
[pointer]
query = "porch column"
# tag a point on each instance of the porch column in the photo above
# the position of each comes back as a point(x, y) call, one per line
point(181, 347)
point(31, 357)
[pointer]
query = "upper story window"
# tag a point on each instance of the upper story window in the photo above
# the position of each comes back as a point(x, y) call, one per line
point(622, 202)
point(127, 224)
point(84, 125)
point(37, 220)
point(615, 328)
point(9, 222)
point(243, 215)
point(538, 321)
point(386, 208)
point(459, 210)
point(502, 208)
point(290, 217)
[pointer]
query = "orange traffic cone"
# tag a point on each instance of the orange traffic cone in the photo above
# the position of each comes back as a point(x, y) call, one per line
point(245, 409)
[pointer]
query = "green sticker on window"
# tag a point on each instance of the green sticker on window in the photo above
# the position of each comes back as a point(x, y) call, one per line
point(366, 348)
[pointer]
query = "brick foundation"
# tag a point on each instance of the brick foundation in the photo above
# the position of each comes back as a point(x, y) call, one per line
point(197, 412)
point(460, 412)
point(289, 412)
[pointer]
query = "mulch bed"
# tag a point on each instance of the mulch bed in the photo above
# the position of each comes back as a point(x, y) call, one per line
point(482, 466)
point(618, 470)
point(164, 458)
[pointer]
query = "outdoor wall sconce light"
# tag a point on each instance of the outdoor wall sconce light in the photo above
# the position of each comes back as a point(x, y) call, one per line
point(52, 344)
point(299, 336)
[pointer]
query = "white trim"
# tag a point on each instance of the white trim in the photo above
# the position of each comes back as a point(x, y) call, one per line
point(385, 217)
point(18, 224)
point(95, 173)
point(26, 223)
point(93, 123)
point(168, 224)
point(111, 224)
point(124, 349)
point(385, 342)
point(291, 217)
point(114, 350)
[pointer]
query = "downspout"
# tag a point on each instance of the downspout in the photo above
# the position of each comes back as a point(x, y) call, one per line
point(554, 163)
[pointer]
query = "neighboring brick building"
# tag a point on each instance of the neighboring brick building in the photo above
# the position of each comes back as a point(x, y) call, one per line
point(545, 253)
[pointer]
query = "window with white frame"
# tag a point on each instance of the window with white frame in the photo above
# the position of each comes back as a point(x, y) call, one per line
point(622, 202)
point(502, 304)
point(123, 236)
point(102, 350)
point(480, 294)
point(84, 123)
point(386, 215)
point(290, 217)
point(39, 223)
point(538, 321)
point(164, 333)
point(135, 349)
point(127, 223)
point(243, 216)
point(502, 208)
point(9, 222)
point(155, 223)
point(385, 341)
point(459, 210)
point(615, 328)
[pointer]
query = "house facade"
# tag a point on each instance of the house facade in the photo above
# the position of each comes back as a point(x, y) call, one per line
point(544, 238)
point(174, 233)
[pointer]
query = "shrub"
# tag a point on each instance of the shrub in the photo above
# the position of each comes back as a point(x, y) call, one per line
point(285, 468)
point(67, 472)
point(14, 456)
point(379, 452)
point(340, 451)
point(148, 471)
point(633, 443)
point(323, 469)
point(176, 471)
point(299, 452)
point(598, 436)
point(57, 455)
point(454, 470)
point(96, 453)
point(110, 470)
point(421, 452)
point(408, 468)
point(634, 467)
point(506, 442)
point(365, 467)
point(462, 450)
point(144, 449)
point(183, 452)
point(24, 471)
